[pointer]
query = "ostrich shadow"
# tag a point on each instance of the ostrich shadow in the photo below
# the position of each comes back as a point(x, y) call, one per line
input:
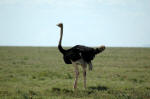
point(98, 88)
point(88, 91)
point(59, 90)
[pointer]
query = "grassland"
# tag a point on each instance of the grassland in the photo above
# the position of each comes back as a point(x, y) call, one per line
point(40, 73)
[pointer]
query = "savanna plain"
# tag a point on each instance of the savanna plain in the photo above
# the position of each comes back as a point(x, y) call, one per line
point(40, 73)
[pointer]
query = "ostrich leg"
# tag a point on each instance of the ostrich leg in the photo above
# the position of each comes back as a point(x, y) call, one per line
point(76, 75)
point(84, 74)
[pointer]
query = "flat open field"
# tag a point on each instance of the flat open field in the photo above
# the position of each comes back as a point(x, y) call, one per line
point(40, 73)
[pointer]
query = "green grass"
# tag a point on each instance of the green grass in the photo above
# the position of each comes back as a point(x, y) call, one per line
point(40, 73)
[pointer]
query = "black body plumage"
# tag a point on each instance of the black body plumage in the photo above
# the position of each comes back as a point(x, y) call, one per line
point(79, 51)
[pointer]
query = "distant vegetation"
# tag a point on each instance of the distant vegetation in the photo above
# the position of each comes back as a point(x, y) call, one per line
point(40, 73)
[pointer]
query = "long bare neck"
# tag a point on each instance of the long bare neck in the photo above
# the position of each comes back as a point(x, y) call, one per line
point(59, 46)
point(61, 34)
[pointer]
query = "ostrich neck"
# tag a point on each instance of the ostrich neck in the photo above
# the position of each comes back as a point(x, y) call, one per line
point(61, 34)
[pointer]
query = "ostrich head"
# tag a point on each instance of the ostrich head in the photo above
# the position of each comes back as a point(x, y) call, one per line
point(60, 25)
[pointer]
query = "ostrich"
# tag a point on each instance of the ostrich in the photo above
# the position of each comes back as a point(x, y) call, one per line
point(78, 55)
